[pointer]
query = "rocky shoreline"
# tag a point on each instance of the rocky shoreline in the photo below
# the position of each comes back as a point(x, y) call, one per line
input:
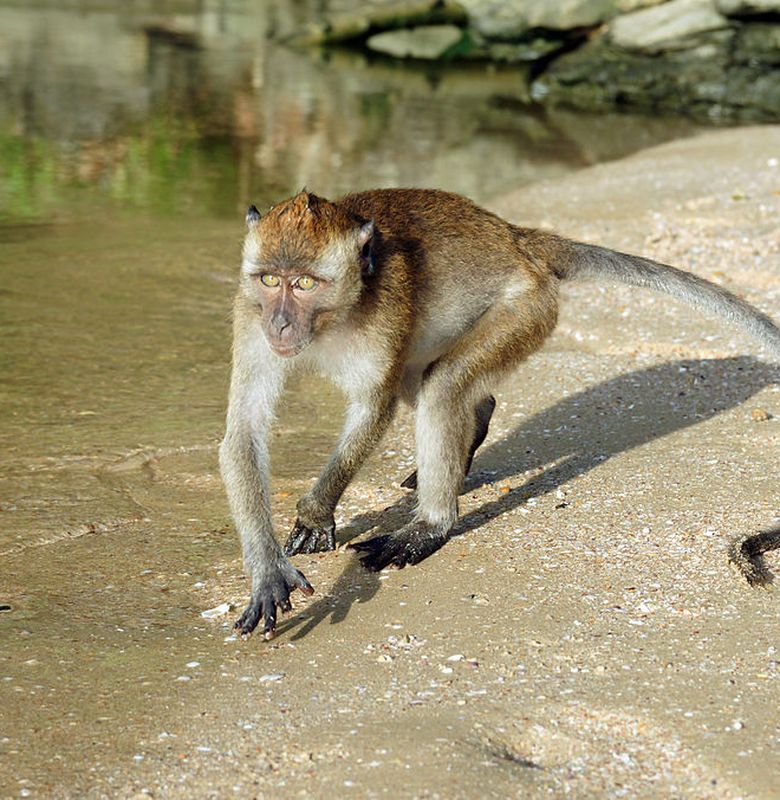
point(706, 58)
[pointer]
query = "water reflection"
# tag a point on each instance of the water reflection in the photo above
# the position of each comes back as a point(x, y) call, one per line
point(197, 112)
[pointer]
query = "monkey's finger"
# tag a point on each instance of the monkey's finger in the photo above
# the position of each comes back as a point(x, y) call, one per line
point(296, 539)
point(379, 552)
point(374, 562)
point(247, 622)
point(269, 629)
point(364, 547)
point(299, 582)
point(330, 535)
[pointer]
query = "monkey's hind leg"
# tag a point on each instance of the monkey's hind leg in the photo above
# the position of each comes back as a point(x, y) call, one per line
point(747, 555)
point(483, 413)
point(446, 426)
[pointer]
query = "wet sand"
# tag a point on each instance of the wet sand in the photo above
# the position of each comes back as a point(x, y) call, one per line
point(582, 635)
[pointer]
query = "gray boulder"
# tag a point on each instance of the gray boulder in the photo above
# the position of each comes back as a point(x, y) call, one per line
point(747, 8)
point(510, 19)
point(758, 44)
point(677, 25)
point(345, 20)
point(702, 81)
point(627, 6)
point(425, 42)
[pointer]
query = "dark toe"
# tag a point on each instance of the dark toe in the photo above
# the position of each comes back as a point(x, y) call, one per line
point(379, 552)
point(296, 540)
point(247, 622)
point(410, 482)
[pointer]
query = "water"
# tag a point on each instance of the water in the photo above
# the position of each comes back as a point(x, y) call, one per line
point(131, 142)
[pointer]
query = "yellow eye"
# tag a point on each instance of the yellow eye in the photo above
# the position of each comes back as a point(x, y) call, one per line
point(269, 280)
point(306, 282)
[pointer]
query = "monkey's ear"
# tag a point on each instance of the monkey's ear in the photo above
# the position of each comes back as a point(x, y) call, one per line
point(252, 215)
point(366, 245)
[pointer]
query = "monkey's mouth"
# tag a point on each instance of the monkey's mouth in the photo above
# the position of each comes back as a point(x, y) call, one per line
point(286, 349)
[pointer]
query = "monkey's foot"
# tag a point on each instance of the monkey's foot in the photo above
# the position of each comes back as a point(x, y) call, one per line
point(269, 592)
point(410, 481)
point(310, 540)
point(409, 545)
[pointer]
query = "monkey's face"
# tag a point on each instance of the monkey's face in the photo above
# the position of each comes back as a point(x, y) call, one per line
point(290, 306)
point(303, 267)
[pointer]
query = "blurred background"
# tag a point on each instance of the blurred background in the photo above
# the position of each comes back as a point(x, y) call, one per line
point(200, 106)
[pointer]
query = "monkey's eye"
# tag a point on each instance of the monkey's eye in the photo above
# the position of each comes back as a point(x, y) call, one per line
point(269, 280)
point(306, 282)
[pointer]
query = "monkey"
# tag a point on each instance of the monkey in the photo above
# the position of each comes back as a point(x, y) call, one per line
point(410, 295)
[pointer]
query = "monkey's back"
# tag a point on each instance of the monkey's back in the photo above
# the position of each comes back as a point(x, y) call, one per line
point(457, 259)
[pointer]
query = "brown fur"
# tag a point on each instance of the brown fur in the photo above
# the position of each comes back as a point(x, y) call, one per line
point(295, 232)
point(423, 296)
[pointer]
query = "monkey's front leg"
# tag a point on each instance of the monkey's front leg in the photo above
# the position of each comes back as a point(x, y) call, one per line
point(315, 529)
point(243, 460)
point(256, 383)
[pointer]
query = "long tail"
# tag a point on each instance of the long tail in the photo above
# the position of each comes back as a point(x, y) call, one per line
point(584, 261)
point(747, 555)
point(587, 261)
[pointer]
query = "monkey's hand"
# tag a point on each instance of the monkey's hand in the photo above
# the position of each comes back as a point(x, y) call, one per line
point(303, 539)
point(314, 530)
point(270, 590)
point(409, 545)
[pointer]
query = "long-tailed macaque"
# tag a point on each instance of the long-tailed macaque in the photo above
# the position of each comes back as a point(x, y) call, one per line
point(412, 294)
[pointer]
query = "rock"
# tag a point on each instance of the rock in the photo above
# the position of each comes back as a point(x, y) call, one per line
point(511, 19)
point(756, 96)
point(747, 8)
point(217, 611)
point(627, 6)
point(701, 82)
point(758, 44)
point(528, 50)
point(672, 26)
point(345, 21)
point(601, 74)
point(497, 20)
point(426, 42)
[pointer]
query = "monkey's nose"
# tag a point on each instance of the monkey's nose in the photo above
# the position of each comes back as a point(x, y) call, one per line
point(279, 325)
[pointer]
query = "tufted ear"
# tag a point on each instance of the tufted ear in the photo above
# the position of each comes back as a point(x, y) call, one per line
point(252, 216)
point(366, 245)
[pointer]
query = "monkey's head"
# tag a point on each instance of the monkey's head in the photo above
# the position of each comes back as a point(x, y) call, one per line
point(304, 267)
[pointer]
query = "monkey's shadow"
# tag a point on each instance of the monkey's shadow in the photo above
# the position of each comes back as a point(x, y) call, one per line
point(574, 436)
